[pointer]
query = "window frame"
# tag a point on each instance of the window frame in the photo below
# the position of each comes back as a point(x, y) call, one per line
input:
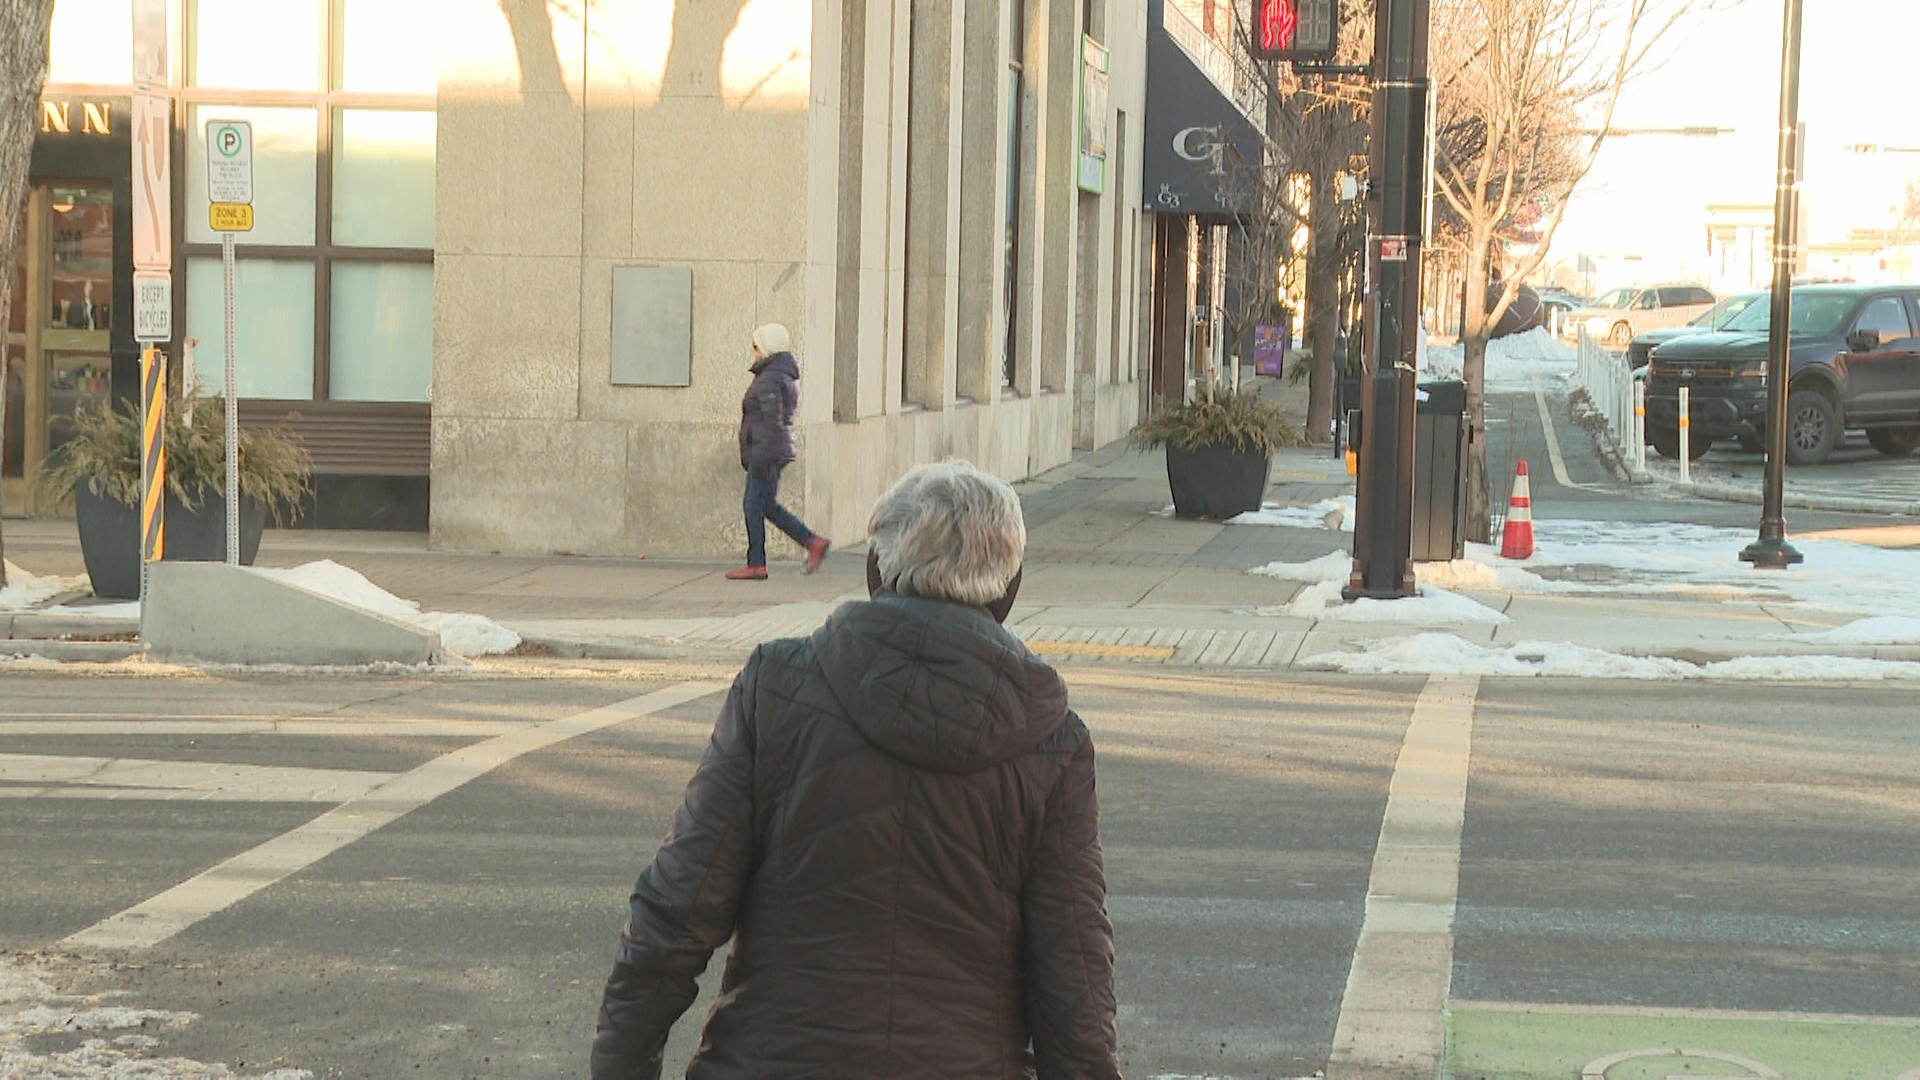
point(323, 252)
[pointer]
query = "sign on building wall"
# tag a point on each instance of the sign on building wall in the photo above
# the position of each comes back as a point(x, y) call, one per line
point(1094, 79)
point(1202, 156)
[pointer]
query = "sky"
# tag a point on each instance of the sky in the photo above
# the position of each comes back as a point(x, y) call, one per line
point(1642, 210)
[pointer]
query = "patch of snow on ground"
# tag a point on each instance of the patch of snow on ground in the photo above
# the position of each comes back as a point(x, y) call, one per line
point(1811, 669)
point(1513, 362)
point(1333, 566)
point(32, 1007)
point(1329, 573)
point(1877, 630)
point(1700, 560)
point(1445, 654)
point(1325, 514)
point(1433, 607)
point(25, 591)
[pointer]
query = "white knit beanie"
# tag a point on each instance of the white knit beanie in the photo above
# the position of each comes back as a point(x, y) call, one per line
point(772, 338)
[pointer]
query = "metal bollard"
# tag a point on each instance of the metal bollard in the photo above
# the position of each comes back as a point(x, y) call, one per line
point(1686, 433)
point(1640, 425)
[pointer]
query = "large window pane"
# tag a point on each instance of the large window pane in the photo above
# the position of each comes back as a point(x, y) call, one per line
point(273, 321)
point(92, 42)
point(245, 44)
point(383, 178)
point(386, 46)
point(284, 144)
point(382, 335)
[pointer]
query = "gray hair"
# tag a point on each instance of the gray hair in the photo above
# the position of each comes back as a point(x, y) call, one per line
point(948, 532)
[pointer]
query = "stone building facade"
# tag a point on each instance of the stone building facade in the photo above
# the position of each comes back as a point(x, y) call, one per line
point(939, 197)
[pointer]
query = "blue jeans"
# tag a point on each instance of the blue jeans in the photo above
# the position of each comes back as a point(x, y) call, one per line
point(762, 505)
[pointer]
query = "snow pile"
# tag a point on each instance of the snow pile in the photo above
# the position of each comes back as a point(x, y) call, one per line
point(1444, 654)
point(467, 635)
point(1325, 514)
point(25, 591)
point(1328, 574)
point(1692, 561)
point(1513, 362)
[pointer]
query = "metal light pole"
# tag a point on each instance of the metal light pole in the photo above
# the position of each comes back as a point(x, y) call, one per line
point(1771, 551)
point(1383, 504)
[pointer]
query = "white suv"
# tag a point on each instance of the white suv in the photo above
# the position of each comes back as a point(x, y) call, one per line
point(1614, 317)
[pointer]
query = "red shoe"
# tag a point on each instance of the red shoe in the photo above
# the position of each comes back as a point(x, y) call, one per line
point(748, 573)
point(816, 550)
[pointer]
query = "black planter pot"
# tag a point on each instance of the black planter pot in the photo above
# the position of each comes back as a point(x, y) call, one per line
point(1217, 481)
point(110, 537)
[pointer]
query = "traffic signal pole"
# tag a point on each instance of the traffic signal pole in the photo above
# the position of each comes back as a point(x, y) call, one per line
point(1771, 551)
point(1383, 503)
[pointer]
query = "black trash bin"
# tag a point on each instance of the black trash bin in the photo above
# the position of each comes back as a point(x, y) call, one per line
point(1439, 472)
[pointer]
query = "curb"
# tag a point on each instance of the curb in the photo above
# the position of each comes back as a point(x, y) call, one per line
point(27, 624)
point(1798, 501)
point(88, 652)
point(1616, 460)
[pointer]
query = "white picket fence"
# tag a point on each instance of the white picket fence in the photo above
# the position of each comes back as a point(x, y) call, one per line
point(1618, 397)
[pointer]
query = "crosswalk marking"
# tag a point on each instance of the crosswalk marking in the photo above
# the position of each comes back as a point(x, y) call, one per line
point(153, 921)
point(1391, 1016)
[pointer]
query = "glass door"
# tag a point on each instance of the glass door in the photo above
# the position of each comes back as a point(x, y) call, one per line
point(58, 356)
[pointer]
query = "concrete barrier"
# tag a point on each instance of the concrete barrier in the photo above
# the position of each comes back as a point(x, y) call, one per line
point(225, 614)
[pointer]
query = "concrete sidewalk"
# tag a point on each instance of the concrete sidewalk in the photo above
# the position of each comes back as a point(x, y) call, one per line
point(1111, 577)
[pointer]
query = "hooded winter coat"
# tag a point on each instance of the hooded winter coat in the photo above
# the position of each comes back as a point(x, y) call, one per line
point(896, 825)
point(766, 411)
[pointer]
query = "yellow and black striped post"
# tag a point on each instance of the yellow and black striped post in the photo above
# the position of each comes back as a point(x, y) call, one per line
point(153, 455)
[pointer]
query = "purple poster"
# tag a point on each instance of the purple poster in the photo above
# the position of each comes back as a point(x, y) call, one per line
point(1269, 348)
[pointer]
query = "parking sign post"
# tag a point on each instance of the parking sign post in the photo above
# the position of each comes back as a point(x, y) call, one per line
point(230, 210)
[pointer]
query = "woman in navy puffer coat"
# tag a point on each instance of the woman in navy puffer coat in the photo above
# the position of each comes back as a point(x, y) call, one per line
point(766, 447)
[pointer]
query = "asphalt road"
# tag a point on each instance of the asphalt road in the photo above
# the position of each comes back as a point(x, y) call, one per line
point(1639, 866)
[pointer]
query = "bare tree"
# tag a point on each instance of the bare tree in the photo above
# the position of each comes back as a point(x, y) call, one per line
point(1316, 129)
point(1522, 87)
point(23, 69)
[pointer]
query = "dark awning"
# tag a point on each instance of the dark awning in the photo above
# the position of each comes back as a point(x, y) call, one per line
point(1203, 156)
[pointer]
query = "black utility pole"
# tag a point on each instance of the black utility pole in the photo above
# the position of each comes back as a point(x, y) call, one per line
point(1383, 510)
point(1771, 551)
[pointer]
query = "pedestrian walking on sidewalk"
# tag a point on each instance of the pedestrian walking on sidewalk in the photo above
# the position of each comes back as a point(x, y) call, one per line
point(766, 447)
point(895, 825)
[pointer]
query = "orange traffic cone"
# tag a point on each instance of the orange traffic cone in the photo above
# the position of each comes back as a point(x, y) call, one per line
point(1516, 542)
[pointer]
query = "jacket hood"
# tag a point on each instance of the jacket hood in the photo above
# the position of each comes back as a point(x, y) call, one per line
point(938, 685)
point(780, 363)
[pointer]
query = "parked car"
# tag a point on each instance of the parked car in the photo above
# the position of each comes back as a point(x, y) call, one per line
point(1853, 361)
point(1616, 316)
point(1714, 318)
point(1558, 304)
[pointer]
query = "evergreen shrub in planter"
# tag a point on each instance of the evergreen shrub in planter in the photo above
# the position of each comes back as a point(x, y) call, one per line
point(1219, 449)
point(100, 466)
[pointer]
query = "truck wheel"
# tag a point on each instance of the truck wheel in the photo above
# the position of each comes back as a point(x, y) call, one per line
point(1620, 335)
point(1896, 441)
point(1812, 427)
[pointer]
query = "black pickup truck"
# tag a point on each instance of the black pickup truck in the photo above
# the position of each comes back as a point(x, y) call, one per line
point(1853, 362)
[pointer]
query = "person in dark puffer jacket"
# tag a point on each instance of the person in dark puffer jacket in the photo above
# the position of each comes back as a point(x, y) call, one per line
point(766, 447)
point(896, 827)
